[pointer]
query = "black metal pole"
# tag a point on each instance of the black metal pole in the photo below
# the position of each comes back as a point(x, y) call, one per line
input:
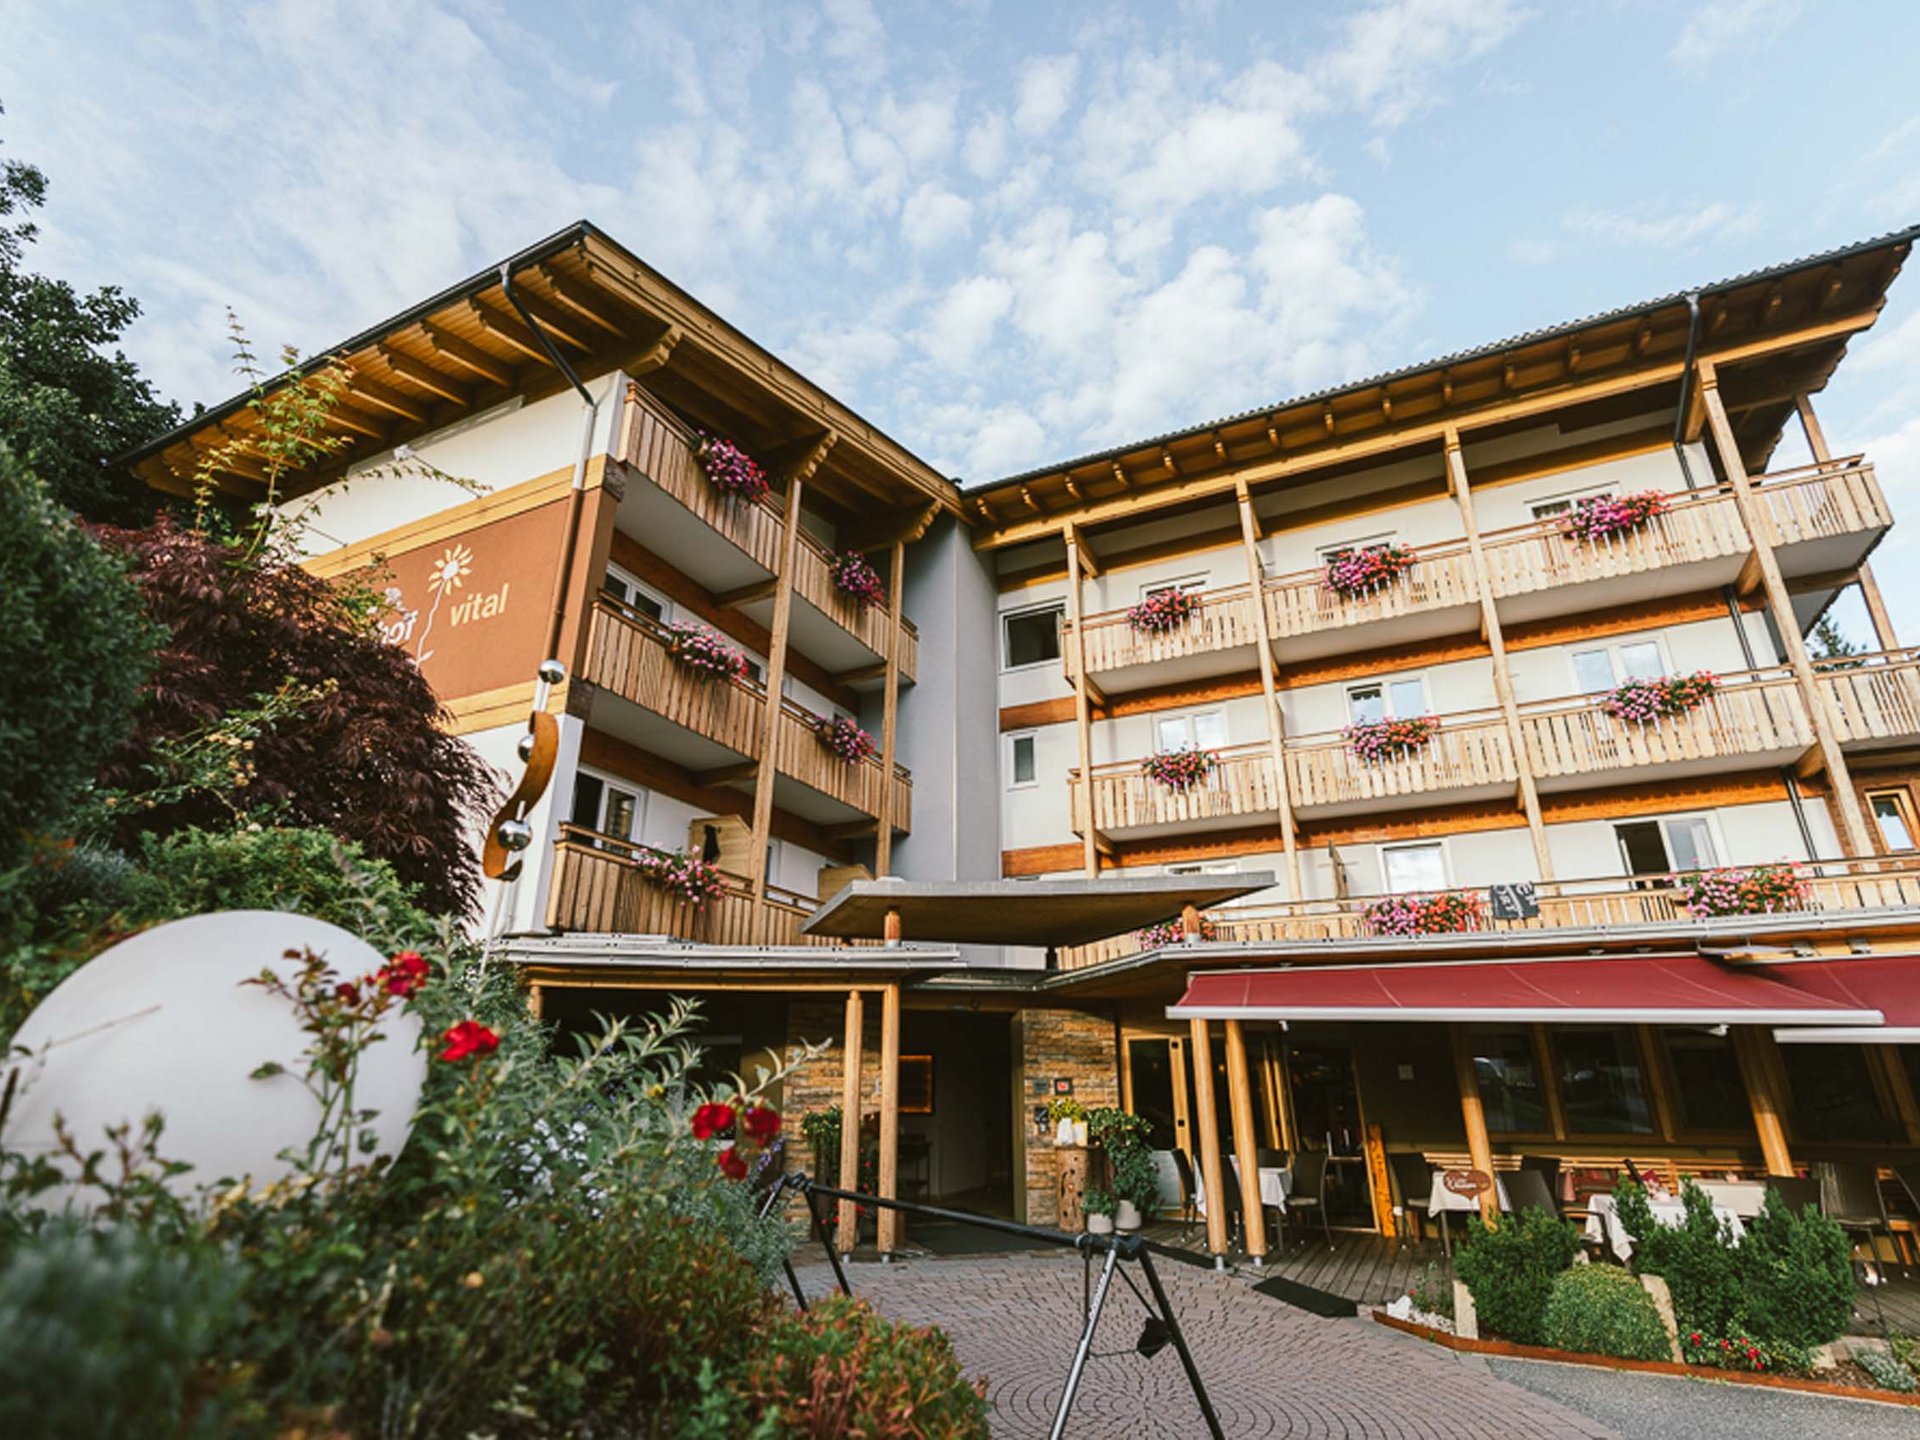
point(774, 1192)
point(826, 1236)
point(1086, 1344)
point(1180, 1344)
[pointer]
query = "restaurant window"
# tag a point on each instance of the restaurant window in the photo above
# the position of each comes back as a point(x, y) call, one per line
point(1706, 1081)
point(1021, 767)
point(1410, 869)
point(1032, 637)
point(1834, 1095)
point(1893, 815)
point(1603, 1087)
point(1510, 1082)
point(1387, 699)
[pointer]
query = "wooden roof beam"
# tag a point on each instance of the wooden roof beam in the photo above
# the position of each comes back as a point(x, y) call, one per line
point(655, 355)
point(348, 418)
point(799, 459)
point(483, 363)
point(590, 304)
point(418, 372)
point(559, 323)
point(508, 330)
point(386, 397)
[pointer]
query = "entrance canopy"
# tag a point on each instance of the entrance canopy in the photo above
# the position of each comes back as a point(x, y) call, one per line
point(1887, 983)
point(1047, 913)
point(1635, 989)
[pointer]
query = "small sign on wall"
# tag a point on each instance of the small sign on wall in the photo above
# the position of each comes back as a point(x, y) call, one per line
point(1063, 1085)
point(1517, 900)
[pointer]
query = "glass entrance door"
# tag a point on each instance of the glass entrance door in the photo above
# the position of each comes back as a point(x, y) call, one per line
point(1157, 1074)
point(1326, 1116)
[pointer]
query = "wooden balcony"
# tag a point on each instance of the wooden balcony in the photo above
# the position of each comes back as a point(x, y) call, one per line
point(1754, 718)
point(627, 655)
point(1538, 569)
point(1438, 596)
point(1874, 699)
point(1835, 887)
point(1823, 517)
point(868, 624)
point(1126, 802)
point(1222, 638)
point(657, 444)
point(799, 755)
point(1468, 758)
point(598, 888)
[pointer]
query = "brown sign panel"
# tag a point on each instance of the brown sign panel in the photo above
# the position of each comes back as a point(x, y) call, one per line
point(1467, 1182)
point(473, 609)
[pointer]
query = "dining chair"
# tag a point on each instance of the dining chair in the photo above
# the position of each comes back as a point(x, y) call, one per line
point(1850, 1196)
point(1527, 1190)
point(1413, 1178)
point(1307, 1188)
point(1795, 1193)
point(1189, 1206)
point(1271, 1159)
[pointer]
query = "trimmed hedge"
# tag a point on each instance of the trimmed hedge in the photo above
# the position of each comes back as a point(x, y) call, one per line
point(1510, 1269)
point(1602, 1310)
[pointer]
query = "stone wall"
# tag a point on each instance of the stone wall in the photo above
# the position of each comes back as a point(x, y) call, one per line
point(1049, 1045)
point(817, 1086)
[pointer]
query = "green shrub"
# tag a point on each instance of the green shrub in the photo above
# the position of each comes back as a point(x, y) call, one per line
point(1737, 1350)
point(1510, 1269)
point(1796, 1275)
point(1602, 1310)
point(1887, 1372)
point(1698, 1258)
point(842, 1370)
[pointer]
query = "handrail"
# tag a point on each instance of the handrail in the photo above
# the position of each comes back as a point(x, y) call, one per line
point(1448, 720)
point(793, 708)
point(1818, 470)
point(603, 843)
point(1222, 753)
point(1723, 681)
point(1676, 500)
point(1868, 659)
point(1224, 595)
point(1316, 574)
point(655, 631)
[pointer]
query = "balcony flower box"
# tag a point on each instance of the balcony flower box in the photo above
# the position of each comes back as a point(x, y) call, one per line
point(1179, 770)
point(1741, 890)
point(1170, 932)
point(1601, 517)
point(686, 877)
point(846, 739)
point(1643, 702)
point(1444, 912)
point(1361, 572)
point(730, 469)
point(854, 578)
point(703, 651)
point(1377, 741)
point(1163, 610)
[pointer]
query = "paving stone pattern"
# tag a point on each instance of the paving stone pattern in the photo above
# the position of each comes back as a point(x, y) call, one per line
point(1271, 1370)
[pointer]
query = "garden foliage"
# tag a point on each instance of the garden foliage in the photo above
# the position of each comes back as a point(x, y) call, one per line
point(1511, 1268)
point(1602, 1310)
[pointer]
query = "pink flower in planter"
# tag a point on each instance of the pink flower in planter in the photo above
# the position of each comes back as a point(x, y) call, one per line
point(1444, 912)
point(687, 877)
point(1164, 610)
point(1360, 572)
point(731, 469)
point(854, 578)
point(846, 739)
point(703, 650)
point(1179, 770)
point(1375, 741)
point(1736, 890)
point(1600, 517)
point(1643, 701)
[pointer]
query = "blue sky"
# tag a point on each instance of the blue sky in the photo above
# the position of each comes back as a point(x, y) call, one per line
point(1007, 233)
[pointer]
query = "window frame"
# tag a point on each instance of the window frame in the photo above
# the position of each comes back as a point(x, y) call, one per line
point(1386, 539)
point(1611, 649)
point(1902, 798)
point(1059, 610)
point(1568, 498)
point(1187, 584)
point(1012, 780)
point(1446, 863)
point(611, 785)
point(1385, 686)
point(1715, 841)
point(638, 587)
point(1189, 717)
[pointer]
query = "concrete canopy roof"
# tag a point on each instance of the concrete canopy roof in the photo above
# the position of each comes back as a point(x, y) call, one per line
point(1022, 912)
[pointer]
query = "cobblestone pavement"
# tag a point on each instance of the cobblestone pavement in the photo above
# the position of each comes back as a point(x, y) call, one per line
point(1270, 1369)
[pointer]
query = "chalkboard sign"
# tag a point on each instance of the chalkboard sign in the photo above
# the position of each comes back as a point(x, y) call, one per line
point(1516, 901)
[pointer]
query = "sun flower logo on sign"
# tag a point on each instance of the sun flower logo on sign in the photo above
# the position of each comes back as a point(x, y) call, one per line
point(449, 572)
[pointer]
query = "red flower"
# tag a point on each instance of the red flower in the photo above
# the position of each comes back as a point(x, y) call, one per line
point(404, 974)
point(731, 1165)
point(762, 1123)
point(713, 1120)
point(348, 992)
point(467, 1039)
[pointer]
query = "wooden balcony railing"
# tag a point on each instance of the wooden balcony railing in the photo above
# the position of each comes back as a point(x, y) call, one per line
point(1470, 749)
point(661, 447)
point(1698, 525)
point(1242, 784)
point(1874, 697)
point(798, 753)
point(1834, 886)
point(1302, 604)
point(1751, 713)
point(1226, 621)
point(598, 887)
point(1815, 502)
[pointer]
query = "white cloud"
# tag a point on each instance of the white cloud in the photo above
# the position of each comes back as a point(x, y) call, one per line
point(985, 149)
point(1392, 52)
point(1658, 229)
point(933, 217)
point(1046, 89)
point(1722, 28)
point(965, 319)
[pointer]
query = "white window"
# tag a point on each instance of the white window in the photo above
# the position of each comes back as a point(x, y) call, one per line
point(1408, 869)
point(1022, 770)
point(1657, 847)
point(1554, 506)
point(1030, 637)
point(1602, 667)
point(1201, 730)
point(1387, 700)
point(1187, 584)
point(1330, 553)
point(607, 806)
point(1893, 814)
point(642, 599)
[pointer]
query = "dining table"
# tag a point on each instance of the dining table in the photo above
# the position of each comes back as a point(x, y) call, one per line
point(1604, 1226)
point(1273, 1186)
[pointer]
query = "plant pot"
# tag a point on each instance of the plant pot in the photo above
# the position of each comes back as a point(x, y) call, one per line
point(1127, 1215)
point(1080, 1132)
point(1099, 1224)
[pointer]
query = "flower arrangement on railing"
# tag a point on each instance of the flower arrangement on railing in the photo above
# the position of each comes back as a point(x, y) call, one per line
point(846, 739)
point(686, 877)
point(1642, 702)
point(1443, 912)
point(1179, 770)
point(705, 652)
point(730, 469)
point(1601, 517)
point(854, 578)
point(1164, 610)
point(1377, 741)
point(1170, 932)
point(1742, 890)
point(1359, 572)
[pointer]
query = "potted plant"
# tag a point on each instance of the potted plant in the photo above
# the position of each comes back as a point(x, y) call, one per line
point(1099, 1207)
point(1645, 701)
point(1069, 1118)
point(730, 469)
point(1179, 770)
point(1601, 517)
point(1131, 1173)
point(1361, 572)
point(854, 578)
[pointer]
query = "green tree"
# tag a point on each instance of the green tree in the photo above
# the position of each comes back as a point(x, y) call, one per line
point(1830, 642)
point(69, 401)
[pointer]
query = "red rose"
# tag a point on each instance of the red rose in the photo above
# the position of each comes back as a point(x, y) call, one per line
point(467, 1039)
point(404, 974)
point(348, 993)
point(731, 1165)
point(762, 1123)
point(713, 1120)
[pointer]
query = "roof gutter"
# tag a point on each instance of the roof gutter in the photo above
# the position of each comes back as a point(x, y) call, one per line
point(1686, 387)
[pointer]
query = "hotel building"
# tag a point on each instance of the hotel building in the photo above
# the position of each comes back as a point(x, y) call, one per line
point(1445, 749)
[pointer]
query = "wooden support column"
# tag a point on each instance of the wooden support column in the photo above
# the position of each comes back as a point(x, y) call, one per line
point(1082, 703)
point(1276, 722)
point(1900, 1090)
point(890, 714)
point(889, 1221)
point(1207, 1121)
point(1854, 835)
point(536, 1001)
point(1245, 1146)
point(1474, 1111)
point(1885, 637)
point(776, 682)
point(1496, 642)
point(849, 1227)
point(1769, 1117)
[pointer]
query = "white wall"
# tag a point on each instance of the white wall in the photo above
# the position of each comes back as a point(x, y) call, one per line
point(1041, 813)
point(1431, 522)
point(1453, 687)
point(1546, 673)
point(1029, 683)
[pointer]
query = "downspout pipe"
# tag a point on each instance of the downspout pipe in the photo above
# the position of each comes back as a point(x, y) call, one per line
point(1686, 387)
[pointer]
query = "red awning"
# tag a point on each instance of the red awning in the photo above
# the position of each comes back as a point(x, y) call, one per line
point(1635, 989)
point(1887, 983)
